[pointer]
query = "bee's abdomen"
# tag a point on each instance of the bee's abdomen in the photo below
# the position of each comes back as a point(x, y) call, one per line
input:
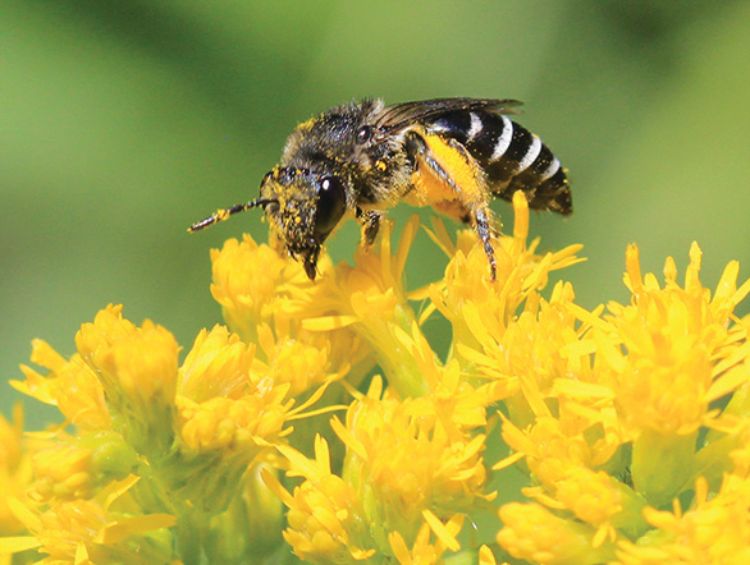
point(512, 158)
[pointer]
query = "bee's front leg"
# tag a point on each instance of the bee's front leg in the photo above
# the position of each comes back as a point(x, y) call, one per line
point(310, 262)
point(370, 222)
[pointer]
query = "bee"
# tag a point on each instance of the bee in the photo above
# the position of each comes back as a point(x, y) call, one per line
point(360, 159)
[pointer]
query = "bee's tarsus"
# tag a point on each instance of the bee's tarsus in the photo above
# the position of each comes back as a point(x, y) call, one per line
point(484, 229)
point(370, 221)
point(310, 262)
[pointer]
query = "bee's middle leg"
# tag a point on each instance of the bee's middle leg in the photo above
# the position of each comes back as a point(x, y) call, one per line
point(370, 222)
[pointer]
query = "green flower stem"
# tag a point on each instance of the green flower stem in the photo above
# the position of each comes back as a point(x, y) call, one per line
point(661, 465)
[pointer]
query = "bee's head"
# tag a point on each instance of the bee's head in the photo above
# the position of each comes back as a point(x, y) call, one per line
point(303, 207)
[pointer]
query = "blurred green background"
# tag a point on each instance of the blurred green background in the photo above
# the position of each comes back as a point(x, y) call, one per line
point(123, 122)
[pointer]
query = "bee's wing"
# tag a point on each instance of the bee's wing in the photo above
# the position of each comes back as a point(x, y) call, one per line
point(399, 116)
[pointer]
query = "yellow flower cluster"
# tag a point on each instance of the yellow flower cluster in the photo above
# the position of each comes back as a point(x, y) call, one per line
point(548, 433)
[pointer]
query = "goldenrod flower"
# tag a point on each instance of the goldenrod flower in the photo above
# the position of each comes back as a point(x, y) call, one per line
point(15, 469)
point(423, 551)
point(679, 343)
point(71, 385)
point(534, 534)
point(218, 364)
point(93, 531)
point(564, 464)
point(253, 283)
point(675, 351)
point(68, 467)
point(227, 417)
point(408, 456)
point(325, 519)
point(188, 435)
point(479, 309)
point(137, 369)
point(716, 529)
point(548, 433)
point(268, 300)
point(372, 299)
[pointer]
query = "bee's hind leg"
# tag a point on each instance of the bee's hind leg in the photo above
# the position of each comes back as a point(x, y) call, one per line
point(481, 220)
point(484, 229)
point(470, 201)
point(370, 222)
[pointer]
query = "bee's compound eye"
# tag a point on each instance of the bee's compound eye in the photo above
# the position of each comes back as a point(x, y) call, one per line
point(331, 206)
point(364, 134)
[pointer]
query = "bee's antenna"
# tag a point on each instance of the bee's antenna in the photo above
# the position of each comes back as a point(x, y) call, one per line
point(224, 213)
